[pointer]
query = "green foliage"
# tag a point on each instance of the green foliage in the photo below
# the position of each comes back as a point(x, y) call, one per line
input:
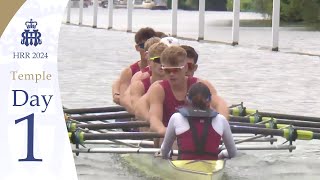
point(245, 5)
point(290, 10)
point(188, 4)
point(311, 11)
point(263, 6)
point(217, 5)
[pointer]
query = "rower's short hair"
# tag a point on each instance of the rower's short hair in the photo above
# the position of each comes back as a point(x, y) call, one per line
point(150, 42)
point(161, 34)
point(144, 34)
point(173, 55)
point(157, 49)
point(191, 53)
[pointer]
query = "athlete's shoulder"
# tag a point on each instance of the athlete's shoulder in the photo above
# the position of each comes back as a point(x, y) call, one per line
point(156, 90)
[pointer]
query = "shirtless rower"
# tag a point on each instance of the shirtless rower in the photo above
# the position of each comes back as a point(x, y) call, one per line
point(198, 129)
point(121, 84)
point(167, 95)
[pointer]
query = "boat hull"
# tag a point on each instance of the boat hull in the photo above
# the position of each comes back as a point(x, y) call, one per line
point(166, 169)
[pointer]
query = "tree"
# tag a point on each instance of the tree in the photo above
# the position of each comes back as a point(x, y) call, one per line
point(216, 5)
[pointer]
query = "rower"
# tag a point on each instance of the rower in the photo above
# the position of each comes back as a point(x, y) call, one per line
point(143, 73)
point(198, 129)
point(139, 88)
point(192, 59)
point(121, 84)
point(169, 41)
point(167, 95)
point(146, 72)
point(143, 105)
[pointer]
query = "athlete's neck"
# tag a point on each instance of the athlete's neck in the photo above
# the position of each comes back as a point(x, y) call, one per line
point(179, 85)
point(155, 77)
point(143, 63)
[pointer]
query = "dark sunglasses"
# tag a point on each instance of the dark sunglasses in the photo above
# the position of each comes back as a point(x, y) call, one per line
point(141, 45)
point(155, 59)
point(190, 66)
point(169, 70)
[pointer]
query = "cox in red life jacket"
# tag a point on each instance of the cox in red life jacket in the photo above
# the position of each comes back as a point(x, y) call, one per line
point(201, 141)
point(198, 129)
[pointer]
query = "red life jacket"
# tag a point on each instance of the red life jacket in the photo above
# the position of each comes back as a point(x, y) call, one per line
point(170, 103)
point(135, 67)
point(201, 141)
point(146, 83)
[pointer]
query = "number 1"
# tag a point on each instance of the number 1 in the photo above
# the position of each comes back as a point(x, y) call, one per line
point(30, 119)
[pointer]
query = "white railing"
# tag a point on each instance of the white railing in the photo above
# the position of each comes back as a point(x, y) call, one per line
point(174, 19)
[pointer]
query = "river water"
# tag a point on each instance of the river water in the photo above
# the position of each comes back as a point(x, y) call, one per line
point(91, 59)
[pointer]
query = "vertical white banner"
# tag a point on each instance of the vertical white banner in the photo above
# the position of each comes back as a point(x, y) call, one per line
point(33, 135)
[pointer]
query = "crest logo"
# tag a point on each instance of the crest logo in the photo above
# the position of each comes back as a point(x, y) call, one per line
point(31, 35)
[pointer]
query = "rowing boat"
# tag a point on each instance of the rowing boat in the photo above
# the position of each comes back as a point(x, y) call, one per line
point(83, 131)
point(175, 169)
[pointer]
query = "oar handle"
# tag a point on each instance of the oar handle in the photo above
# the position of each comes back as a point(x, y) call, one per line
point(94, 110)
point(100, 117)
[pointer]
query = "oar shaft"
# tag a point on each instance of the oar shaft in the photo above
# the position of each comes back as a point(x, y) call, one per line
point(300, 134)
point(102, 117)
point(255, 130)
point(299, 123)
point(121, 135)
point(316, 130)
point(94, 110)
point(120, 150)
point(240, 110)
point(175, 152)
point(129, 124)
point(280, 121)
point(287, 116)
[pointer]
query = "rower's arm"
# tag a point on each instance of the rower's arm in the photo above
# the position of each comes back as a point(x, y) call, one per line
point(169, 138)
point(126, 100)
point(156, 98)
point(227, 137)
point(116, 91)
point(141, 108)
point(216, 101)
point(125, 79)
point(136, 77)
point(136, 92)
point(139, 76)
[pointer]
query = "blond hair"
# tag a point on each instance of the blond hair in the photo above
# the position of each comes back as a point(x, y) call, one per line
point(157, 49)
point(150, 42)
point(173, 55)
